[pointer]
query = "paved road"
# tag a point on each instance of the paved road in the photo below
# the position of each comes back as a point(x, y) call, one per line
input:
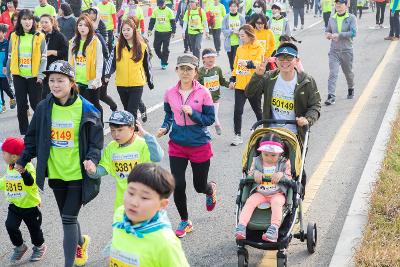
point(211, 243)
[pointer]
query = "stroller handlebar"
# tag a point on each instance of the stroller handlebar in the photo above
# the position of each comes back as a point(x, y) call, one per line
point(273, 121)
point(289, 183)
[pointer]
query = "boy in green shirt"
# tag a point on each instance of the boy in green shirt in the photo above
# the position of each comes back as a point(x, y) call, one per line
point(44, 8)
point(126, 151)
point(142, 234)
point(22, 193)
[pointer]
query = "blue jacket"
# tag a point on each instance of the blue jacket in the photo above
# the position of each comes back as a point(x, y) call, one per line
point(3, 56)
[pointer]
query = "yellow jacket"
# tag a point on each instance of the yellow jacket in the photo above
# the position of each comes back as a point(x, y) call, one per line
point(39, 54)
point(128, 72)
point(266, 38)
point(245, 53)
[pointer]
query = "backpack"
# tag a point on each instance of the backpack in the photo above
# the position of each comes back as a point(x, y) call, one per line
point(210, 19)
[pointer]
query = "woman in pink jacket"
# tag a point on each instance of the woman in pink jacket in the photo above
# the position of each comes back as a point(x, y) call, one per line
point(189, 110)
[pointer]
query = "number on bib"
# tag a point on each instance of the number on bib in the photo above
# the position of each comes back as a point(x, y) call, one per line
point(62, 134)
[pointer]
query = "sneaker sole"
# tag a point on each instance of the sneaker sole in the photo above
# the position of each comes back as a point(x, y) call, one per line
point(186, 232)
point(38, 259)
point(269, 240)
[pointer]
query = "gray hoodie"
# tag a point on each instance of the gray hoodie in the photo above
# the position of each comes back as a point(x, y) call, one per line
point(348, 32)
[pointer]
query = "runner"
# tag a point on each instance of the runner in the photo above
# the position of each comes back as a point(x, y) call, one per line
point(122, 154)
point(195, 21)
point(182, 7)
point(4, 85)
point(130, 62)
point(5, 17)
point(76, 135)
point(248, 56)
point(27, 59)
point(326, 6)
point(259, 7)
point(298, 10)
point(141, 228)
point(66, 21)
point(188, 111)
point(44, 8)
point(380, 12)
point(210, 76)
point(360, 6)
point(57, 46)
point(163, 20)
point(22, 193)
point(278, 24)
point(109, 16)
point(341, 30)
point(132, 9)
point(263, 34)
point(217, 12)
point(98, 24)
point(394, 33)
point(86, 55)
point(230, 27)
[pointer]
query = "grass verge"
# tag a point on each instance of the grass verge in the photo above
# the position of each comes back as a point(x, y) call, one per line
point(380, 244)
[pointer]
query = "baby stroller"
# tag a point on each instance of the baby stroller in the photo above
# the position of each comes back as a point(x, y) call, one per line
point(292, 210)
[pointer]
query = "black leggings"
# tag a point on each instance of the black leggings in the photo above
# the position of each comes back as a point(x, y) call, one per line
point(231, 55)
point(380, 12)
point(69, 201)
point(91, 95)
point(130, 98)
point(200, 175)
point(240, 100)
point(326, 16)
point(32, 217)
point(106, 98)
point(5, 87)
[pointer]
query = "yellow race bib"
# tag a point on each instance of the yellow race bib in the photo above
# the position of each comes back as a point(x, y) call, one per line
point(283, 104)
point(62, 134)
point(212, 83)
point(14, 188)
point(161, 19)
point(242, 67)
point(123, 163)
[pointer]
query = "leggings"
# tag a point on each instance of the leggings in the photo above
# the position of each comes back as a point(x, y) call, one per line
point(277, 201)
point(231, 55)
point(200, 175)
point(106, 98)
point(360, 9)
point(91, 95)
point(326, 16)
point(5, 87)
point(68, 195)
point(380, 12)
point(240, 100)
point(130, 98)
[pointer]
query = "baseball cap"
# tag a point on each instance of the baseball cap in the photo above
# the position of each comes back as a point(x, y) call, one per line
point(341, 1)
point(61, 66)
point(13, 145)
point(271, 146)
point(276, 6)
point(188, 60)
point(288, 49)
point(121, 117)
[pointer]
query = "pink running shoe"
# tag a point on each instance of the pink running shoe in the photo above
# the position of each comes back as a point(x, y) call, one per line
point(211, 200)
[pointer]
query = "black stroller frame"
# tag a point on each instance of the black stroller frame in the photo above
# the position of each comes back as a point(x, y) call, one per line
point(292, 212)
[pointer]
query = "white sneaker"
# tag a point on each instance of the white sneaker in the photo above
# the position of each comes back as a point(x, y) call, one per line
point(294, 29)
point(237, 140)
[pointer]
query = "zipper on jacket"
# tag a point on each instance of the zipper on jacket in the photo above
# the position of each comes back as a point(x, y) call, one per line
point(187, 99)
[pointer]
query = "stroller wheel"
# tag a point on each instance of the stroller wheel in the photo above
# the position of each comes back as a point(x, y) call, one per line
point(243, 259)
point(311, 237)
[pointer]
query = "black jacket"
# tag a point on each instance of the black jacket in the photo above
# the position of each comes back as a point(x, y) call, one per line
point(102, 29)
point(57, 41)
point(67, 26)
point(91, 140)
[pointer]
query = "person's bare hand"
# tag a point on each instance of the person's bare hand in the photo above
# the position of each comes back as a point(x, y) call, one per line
point(276, 177)
point(328, 35)
point(301, 121)
point(187, 109)
point(231, 85)
point(90, 167)
point(161, 132)
point(141, 131)
point(19, 168)
point(258, 177)
point(262, 67)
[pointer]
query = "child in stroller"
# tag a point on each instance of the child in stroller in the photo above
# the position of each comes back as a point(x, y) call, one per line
point(271, 165)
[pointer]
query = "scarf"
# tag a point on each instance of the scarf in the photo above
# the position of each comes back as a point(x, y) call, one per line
point(158, 222)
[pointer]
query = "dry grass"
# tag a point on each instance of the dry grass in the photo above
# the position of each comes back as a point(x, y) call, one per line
point(380, 245)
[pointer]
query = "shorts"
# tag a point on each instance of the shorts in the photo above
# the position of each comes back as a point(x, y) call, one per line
point(196, 154)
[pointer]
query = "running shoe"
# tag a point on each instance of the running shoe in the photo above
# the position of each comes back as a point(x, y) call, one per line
point(3, 109)
point(163, 66)
point(218, 129)
point(211, 200)
point(143, 115)
point(350, 93)
point(38, 253)
point(240, 233)
point(395, 38)
point(18, 253)
point(81, 255)
point(331, 100)
point(184, 227)
point(13, 103)
point(295, 29)
point(237, 140)
point(388, 38)
point(272, 234)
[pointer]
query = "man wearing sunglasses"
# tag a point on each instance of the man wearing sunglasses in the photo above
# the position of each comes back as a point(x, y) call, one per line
point(288, 94)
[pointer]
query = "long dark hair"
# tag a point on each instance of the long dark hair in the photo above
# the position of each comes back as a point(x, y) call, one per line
point(256, 17)
point(77, 40)
point(137, 45)
point(19, 30)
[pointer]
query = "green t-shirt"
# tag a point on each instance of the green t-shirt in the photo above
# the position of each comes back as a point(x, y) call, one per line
point(339, 20)
point(119, 162)
point(106, 12)
point(17, 192)
point(326, 5)
point(64, 160)
point(86, 4)
point(163, 19)
point(157, 249)
point(234, 25)
point(81, 63)
point(47, 9)
point(195, 22)
point(277, 27)
point(219, 13)
point(133, 12)
point(25, 55)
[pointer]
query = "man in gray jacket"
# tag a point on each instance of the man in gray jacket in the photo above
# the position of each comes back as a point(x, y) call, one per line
point(341, 30)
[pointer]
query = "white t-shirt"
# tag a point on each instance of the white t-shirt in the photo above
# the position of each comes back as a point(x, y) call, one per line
point(282, 104)
point(185, 94)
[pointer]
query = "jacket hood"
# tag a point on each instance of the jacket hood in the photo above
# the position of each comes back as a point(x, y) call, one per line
point(97, 21)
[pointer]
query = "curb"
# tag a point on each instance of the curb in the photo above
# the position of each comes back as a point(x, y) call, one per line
point(357, 216)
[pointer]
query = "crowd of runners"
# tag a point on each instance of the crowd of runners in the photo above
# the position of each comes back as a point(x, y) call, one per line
point(59, 59)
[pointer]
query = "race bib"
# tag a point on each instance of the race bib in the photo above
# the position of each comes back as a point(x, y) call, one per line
point(14, 187)
point(25, 61)
point(123, 259)
point(234, 25)
point(277, 28)
point(80, 60)
point(124, 163)
point(212, 83)
point(242, 67)
point(105, 18)
point(161, 19)
point(195, 21)
point(282, 106)
point(62, 134)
